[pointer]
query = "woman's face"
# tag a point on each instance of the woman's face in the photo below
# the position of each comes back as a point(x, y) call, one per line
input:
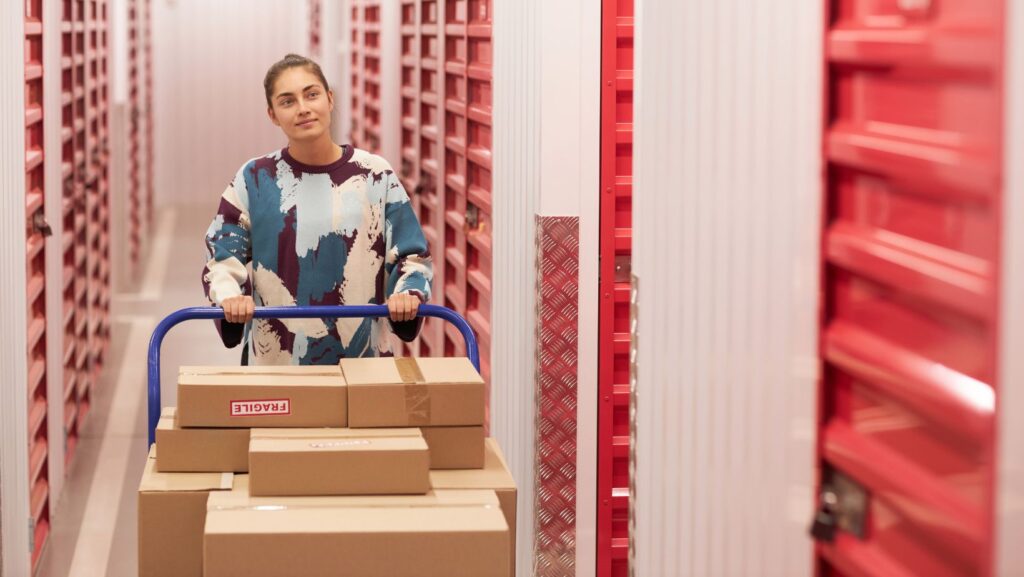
point(300, 105)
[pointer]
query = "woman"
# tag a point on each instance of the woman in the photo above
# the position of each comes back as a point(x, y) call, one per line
point(320, 224)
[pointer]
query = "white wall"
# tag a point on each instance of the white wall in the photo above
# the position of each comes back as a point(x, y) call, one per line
point(516, 189)
point(1010, 482)
point(726, 235)
point(209, 60)
point(14, 510)
point(546, 162)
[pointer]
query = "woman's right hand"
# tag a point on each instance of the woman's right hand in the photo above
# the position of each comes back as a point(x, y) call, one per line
point(238, 309)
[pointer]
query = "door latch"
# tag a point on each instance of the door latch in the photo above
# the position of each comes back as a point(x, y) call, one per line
point(40, 225)
point(842, 504)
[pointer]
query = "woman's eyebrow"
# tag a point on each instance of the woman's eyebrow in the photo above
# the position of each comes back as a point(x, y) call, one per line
point(283, 94)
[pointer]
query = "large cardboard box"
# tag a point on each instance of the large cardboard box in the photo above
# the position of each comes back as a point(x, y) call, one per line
point(495, 476)
point(172, 512)
point(287, 396)
point(457, 534)
point(455, 447)
point(338, 462)
point(408, 392)
point(199, 450)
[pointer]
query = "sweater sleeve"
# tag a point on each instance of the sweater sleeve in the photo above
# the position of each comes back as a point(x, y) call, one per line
point(408, 264)
point(228, 251)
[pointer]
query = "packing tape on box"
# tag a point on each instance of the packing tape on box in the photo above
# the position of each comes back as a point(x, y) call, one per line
point(417, 396)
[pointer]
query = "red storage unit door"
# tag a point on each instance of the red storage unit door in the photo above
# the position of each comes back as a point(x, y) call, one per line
point(356, 71)
point(409, 99)
point(371, 75)
point(467, 172)
point(613, 324)
point(428, 195)
point(911, 252)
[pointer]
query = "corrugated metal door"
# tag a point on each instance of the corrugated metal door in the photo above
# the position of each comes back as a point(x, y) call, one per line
point(96, 202)
point(467, 172)
point(36, 279)
point(911, 249)
point(315, 21)
point(428, 193)
point(356, 71)
point(146, 26)
point(371, 75)
point(613, 325)
point(75, 279)
point(135, 192)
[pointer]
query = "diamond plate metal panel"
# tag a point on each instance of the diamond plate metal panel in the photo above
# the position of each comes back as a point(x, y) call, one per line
point(557, 379)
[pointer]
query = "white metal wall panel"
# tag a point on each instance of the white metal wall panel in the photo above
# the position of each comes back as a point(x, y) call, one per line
point(210, 111)
point(726, 227)
point(14, 513)
point(55, 331)
point(533, 49)
point(516, 141)
point(1010, 461)
point(391, 82)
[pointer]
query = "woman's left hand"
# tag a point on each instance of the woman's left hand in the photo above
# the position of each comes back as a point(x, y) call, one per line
point(403, 306)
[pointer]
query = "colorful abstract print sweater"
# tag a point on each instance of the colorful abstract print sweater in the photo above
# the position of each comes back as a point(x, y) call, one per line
point(344, 233)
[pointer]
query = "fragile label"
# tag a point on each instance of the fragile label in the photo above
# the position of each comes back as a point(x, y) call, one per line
point(258, 408)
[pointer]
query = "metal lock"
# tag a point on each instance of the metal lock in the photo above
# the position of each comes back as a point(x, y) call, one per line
point(843, 504)
point(40, 225)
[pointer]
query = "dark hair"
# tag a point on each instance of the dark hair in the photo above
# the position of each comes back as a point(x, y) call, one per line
point(290, 61)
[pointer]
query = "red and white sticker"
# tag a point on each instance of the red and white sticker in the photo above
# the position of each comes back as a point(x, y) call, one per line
point(261, 407)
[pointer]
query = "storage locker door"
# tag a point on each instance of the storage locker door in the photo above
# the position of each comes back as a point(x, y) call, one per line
point(147, 105)
point(35, 294)
point(102, 163)
point(356, 49)
point(80, 215)
point(315, 21)
point(135, 192)
point(911, 248)
point(371, 33)
point(613, 324)
point(93, 224)
point(477, 179)
point(408, 168)
point(430, 199)
point(467, 172)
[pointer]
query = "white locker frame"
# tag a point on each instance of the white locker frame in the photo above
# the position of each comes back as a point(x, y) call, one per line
point(54, 254)
point(14, 509)
point(546, 162)
point(1010, 481)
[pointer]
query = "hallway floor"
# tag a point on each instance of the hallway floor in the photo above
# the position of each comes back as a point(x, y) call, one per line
point(93, 529)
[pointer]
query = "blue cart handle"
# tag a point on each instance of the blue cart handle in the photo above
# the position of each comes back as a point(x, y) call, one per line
point(310, 312)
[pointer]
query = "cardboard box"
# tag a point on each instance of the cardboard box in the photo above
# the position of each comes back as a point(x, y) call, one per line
point(199, 450)
point(458, 534)
point(172, 513)
point(455, 447)
point(301, 396)
point(338, 462)
point(495, 476)
point(407, 392)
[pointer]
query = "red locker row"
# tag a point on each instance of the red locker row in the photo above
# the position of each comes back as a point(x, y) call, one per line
point(445, 110)
point(84, 244)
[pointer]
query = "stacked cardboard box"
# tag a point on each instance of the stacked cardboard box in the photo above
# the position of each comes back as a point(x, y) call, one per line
point(444, 397)
point(319, 492)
